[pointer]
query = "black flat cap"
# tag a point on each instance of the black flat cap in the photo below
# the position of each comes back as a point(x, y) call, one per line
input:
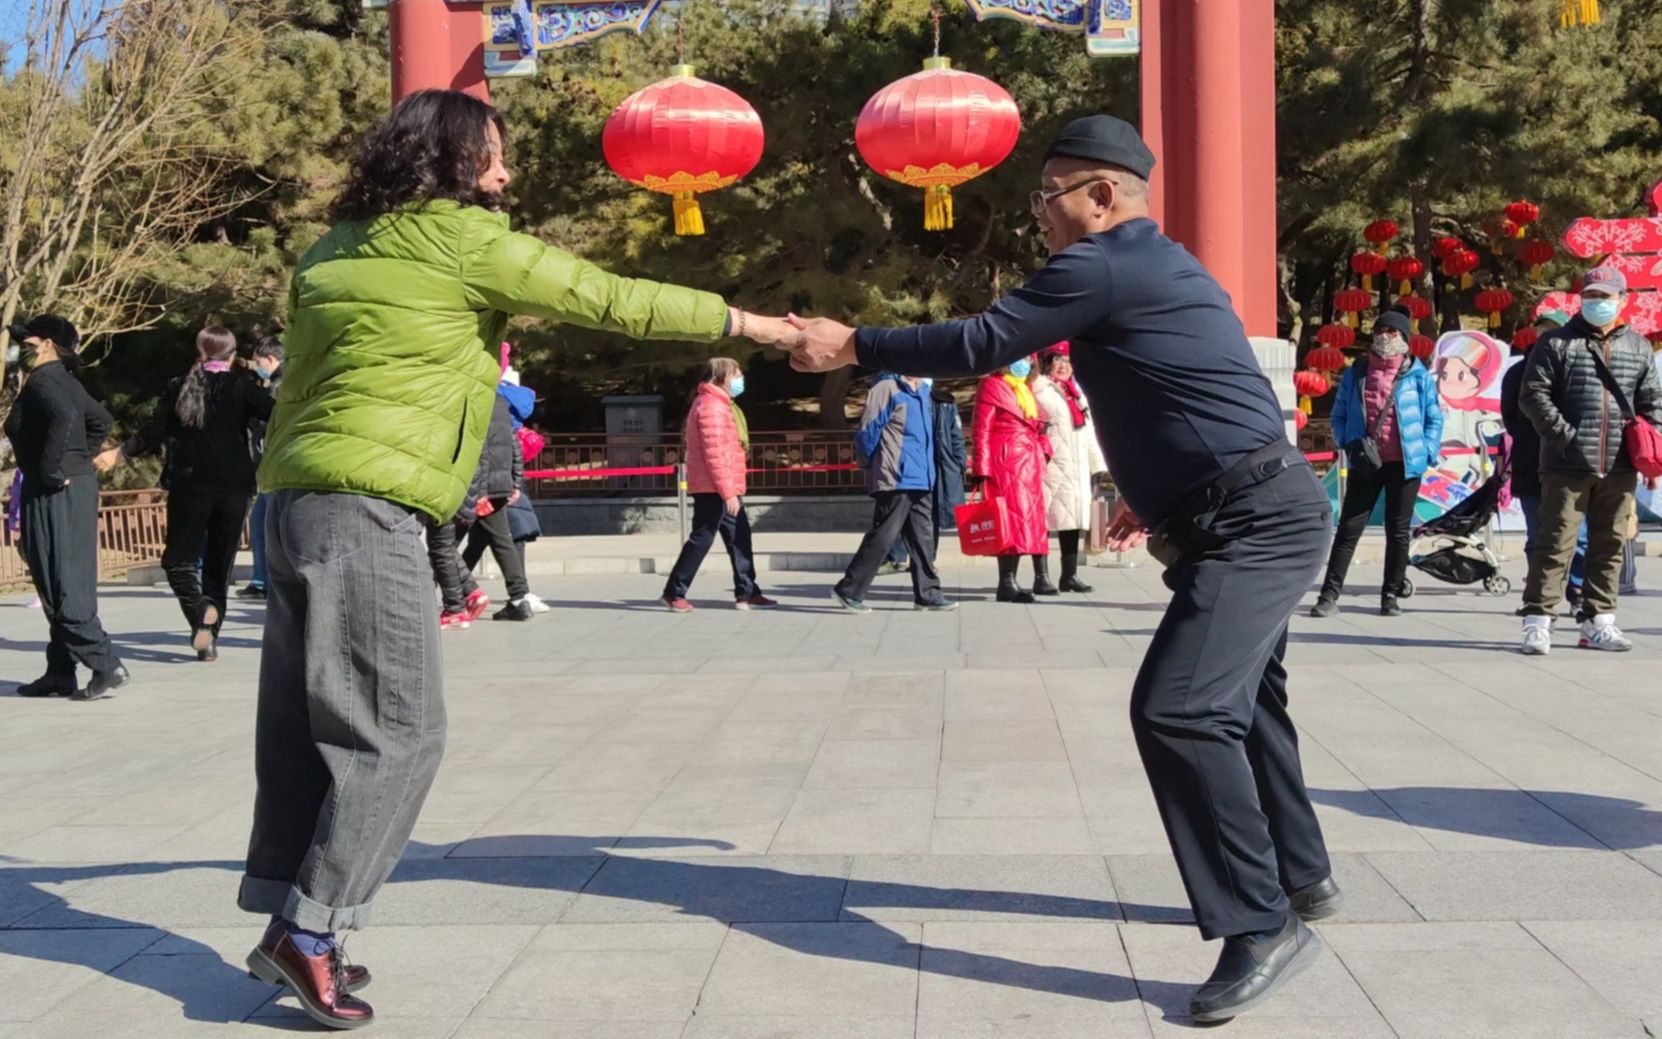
point(1102, 138)
point(47, 326)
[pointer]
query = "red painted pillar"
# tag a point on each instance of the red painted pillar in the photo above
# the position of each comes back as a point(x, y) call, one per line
point(1208, 108)
point(436, 45)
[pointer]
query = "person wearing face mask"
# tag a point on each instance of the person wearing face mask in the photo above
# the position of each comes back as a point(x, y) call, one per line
point(55, 427)
point(718, 444)
point(1076, 463)
point(1009, 450)
point(1197, 442)
point(1388, 400)
point(267, 365)
point(949, 473)
point(1584, 382)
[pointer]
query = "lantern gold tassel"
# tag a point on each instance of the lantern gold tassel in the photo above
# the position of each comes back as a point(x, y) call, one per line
point(1535, 273)
point(1465, 281)
point(1579, 12)
point(689, 219)
point(1494, 319)
point(937, 208)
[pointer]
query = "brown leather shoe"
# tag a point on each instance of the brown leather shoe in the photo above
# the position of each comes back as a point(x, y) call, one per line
point(356, 977)
point(319, 982)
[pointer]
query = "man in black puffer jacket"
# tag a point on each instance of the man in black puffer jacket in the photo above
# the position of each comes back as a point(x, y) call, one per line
point(1585, 468)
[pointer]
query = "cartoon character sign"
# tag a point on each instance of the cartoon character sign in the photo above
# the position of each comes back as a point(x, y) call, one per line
point(1468, 367)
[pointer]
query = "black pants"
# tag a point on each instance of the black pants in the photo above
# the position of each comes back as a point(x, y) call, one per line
point(492, 532)
point(1209, 709)
point(899, 514)
point(205, 529)
point(60, 544)
point(710, 518)
point(446, 561)
point(1361, 495)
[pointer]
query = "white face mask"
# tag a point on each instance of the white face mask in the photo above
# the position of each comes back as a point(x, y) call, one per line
point(1389, 346)
point(14, 353)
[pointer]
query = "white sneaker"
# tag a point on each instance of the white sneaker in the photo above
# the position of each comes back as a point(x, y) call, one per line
point(33, 603)
point(1601, 633)
point(1537, 636)
point(536, 604)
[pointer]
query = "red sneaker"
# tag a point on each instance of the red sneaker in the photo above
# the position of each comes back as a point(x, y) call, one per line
point(755, 602)
point(477, 603)
point(453, 621)
point(318, 982)
point(678, 605)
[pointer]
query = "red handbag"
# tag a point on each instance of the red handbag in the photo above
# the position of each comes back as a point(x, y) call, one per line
point(983, 526)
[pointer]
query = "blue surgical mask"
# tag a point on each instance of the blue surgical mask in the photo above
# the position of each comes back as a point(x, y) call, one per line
point(925, 385)
point(736, 387)
point(1022, 369)
point(1600, 312)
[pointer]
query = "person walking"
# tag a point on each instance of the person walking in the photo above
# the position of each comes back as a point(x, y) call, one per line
point(1584, 382)
point(54, 428)
point(203, 422)
point(1390, 424)
point(523, 524)
point(503, 468)
point(1074, 464)
point(1009, 452)
point(267, 365)
point(718, 443)
point(387, 393)
point(896, 441)
point(950, 464)
point(1196, 440)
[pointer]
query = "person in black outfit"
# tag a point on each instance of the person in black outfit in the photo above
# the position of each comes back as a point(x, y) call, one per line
point(1197, 443)
point(54, 428)
point(504, 466)
point(203, 422)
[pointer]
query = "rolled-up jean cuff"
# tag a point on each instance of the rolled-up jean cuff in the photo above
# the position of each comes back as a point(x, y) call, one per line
point(280, 898)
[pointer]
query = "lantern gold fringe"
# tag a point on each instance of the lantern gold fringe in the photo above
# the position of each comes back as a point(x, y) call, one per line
point(1494, 319)
point(1579, 12)
point(937, 208)
point(1406, 288)
point(1535, 273)
point(689, 219)
point(1305, 405)
point(1465, 281)
point(1367, 283)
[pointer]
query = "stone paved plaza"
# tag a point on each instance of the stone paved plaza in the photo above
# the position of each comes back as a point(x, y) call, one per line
point(808, 824)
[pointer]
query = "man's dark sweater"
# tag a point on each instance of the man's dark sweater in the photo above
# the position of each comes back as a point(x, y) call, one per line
point(1177, 394)
point(55, 428)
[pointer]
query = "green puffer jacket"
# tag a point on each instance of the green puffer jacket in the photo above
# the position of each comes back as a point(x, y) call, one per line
point(392, 346)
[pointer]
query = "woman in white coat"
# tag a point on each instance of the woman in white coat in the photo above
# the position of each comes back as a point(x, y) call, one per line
point(1077, 459)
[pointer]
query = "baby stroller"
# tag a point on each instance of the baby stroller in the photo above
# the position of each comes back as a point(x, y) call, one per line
point(1451, 547)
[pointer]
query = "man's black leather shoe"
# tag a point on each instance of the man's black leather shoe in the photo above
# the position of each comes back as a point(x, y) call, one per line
point(48, 685)
point(103, 682)
point(1318, 901)
point(1250, 970)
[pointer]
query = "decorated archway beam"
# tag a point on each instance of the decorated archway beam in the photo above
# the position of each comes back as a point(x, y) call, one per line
point(1630, 244)
point(1111, 27)
point(554, 25)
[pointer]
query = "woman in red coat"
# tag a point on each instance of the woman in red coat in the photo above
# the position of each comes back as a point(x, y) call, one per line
point(1010, 452)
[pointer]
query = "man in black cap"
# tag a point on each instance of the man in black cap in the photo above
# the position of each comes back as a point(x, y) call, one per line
point(1197, 444)
point(55, 428)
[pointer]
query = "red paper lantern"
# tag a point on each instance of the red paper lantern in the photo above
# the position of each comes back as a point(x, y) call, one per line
point(681, 137)
point(1522, 214)
point(1351, 302)
point(1442, 247)
point(1404, 270)
point(1536, 253)
point(1300, 420)
point(935, 130)
point(1380, 231)
point(1310, 383)
point(1422, 347)
point(1524, 338)
point(1460, 264)
point(1368, 264)
point(1330, 356)
point(1493, 302)
point(1418, 308)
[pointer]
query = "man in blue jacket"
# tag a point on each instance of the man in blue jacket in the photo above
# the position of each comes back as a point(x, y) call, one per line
point(896, 442)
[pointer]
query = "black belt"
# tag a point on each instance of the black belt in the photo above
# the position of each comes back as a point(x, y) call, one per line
point(1185, 527)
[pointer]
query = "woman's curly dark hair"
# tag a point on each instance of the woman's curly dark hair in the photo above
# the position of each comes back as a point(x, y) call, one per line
point(434, 145)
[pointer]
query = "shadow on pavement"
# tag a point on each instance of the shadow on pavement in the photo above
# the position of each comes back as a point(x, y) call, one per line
point(1508, 814)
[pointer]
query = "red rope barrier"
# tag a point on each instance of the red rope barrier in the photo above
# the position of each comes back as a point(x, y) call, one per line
point(598, 474)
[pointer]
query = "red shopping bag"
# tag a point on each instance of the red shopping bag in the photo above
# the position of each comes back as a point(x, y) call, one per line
point(983, 527)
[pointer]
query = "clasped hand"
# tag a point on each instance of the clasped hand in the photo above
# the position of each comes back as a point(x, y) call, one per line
point(815, 344)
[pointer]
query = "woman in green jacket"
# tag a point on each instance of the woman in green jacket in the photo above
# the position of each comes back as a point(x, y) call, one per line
point(394, 317)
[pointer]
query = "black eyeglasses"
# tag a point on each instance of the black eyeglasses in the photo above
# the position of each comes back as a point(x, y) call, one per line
point(1039, 201)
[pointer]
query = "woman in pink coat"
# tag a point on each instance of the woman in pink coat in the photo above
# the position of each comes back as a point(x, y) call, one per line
point(1010, 452)
point(718, 440)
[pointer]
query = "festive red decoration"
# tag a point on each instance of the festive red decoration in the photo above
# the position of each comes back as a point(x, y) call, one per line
point(1351, 302)
point(1460, 264)
point(935, 130)
point(682, 136)
point(1522, 214)
point(1380, 231)
point(1493, 302)
point(1442, 247)
point(1403, 270)
point(1536, 252)
point(1524, 338)
point(1422, 347)
point(1310, 383)
point(1300, 420)
point(1368, 264)
point(1330, 356)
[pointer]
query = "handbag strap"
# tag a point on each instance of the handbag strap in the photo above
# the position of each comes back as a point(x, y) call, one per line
point(1390, 400)
point(1610, 383)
